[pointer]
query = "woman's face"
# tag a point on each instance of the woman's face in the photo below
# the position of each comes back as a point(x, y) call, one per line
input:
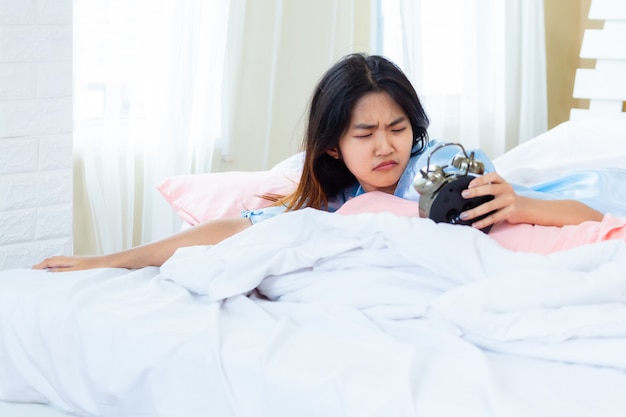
point(377, 145)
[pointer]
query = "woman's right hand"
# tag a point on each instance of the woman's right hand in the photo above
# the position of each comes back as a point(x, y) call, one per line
point(72, 263)
point(151, 254)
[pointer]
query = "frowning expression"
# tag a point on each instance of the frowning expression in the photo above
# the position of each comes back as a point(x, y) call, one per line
point(376, 147)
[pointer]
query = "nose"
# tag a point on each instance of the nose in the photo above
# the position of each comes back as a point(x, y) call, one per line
point(383, 144)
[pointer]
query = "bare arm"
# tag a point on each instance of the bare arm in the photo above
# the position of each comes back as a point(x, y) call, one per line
point(151, 254)
point(517, 209)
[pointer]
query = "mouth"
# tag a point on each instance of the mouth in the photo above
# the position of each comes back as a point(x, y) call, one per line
point(383, 166)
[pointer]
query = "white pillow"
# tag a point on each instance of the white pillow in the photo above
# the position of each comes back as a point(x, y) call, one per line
point(570, 146)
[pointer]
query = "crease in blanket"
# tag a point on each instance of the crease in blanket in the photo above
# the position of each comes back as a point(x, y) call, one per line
point(272, 248)
point(379, 315)
point(499, 299)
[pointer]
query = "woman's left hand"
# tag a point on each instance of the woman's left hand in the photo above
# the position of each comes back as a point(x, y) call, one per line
point(506, 204)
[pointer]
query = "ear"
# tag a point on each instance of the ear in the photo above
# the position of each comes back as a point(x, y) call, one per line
point(334, 152)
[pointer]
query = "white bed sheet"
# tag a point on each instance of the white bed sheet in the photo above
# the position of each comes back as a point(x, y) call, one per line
point(29, 410)
point(362, 315)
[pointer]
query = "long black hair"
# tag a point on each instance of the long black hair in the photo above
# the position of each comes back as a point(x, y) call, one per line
point(330, 112)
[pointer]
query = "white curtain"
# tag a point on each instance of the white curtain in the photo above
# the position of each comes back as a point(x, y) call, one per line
point(165, 87)
point(277, 58)
point(478, 65)
point(148, 79)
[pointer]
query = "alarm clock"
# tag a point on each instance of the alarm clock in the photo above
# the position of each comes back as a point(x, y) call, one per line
point(440, 188)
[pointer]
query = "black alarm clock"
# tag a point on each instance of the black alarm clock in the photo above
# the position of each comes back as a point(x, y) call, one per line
point(440, 188)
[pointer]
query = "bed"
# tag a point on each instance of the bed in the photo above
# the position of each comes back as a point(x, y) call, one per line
point(368, 312)
point(357, 314)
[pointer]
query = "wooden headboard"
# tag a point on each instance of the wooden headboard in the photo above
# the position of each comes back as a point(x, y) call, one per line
point(605, 85)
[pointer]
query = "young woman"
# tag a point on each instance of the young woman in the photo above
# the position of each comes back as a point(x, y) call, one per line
point(366, 131)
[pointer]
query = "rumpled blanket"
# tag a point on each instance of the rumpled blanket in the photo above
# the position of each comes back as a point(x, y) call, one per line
point(557, 306)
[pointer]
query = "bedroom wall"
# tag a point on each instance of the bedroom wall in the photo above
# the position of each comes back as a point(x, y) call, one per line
point(35, 130)
point(566, 21)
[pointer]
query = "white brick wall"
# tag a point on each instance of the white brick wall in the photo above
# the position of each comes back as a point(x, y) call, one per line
point(35, 130)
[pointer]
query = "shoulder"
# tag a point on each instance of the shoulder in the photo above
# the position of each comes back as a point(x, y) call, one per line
point(346, 194)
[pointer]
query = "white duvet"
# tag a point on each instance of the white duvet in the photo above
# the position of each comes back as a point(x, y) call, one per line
point(318, 314)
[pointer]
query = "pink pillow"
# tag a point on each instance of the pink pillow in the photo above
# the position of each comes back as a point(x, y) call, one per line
point(516, 237)
point(549, 239)
point(201, 197)
point(377, 201)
